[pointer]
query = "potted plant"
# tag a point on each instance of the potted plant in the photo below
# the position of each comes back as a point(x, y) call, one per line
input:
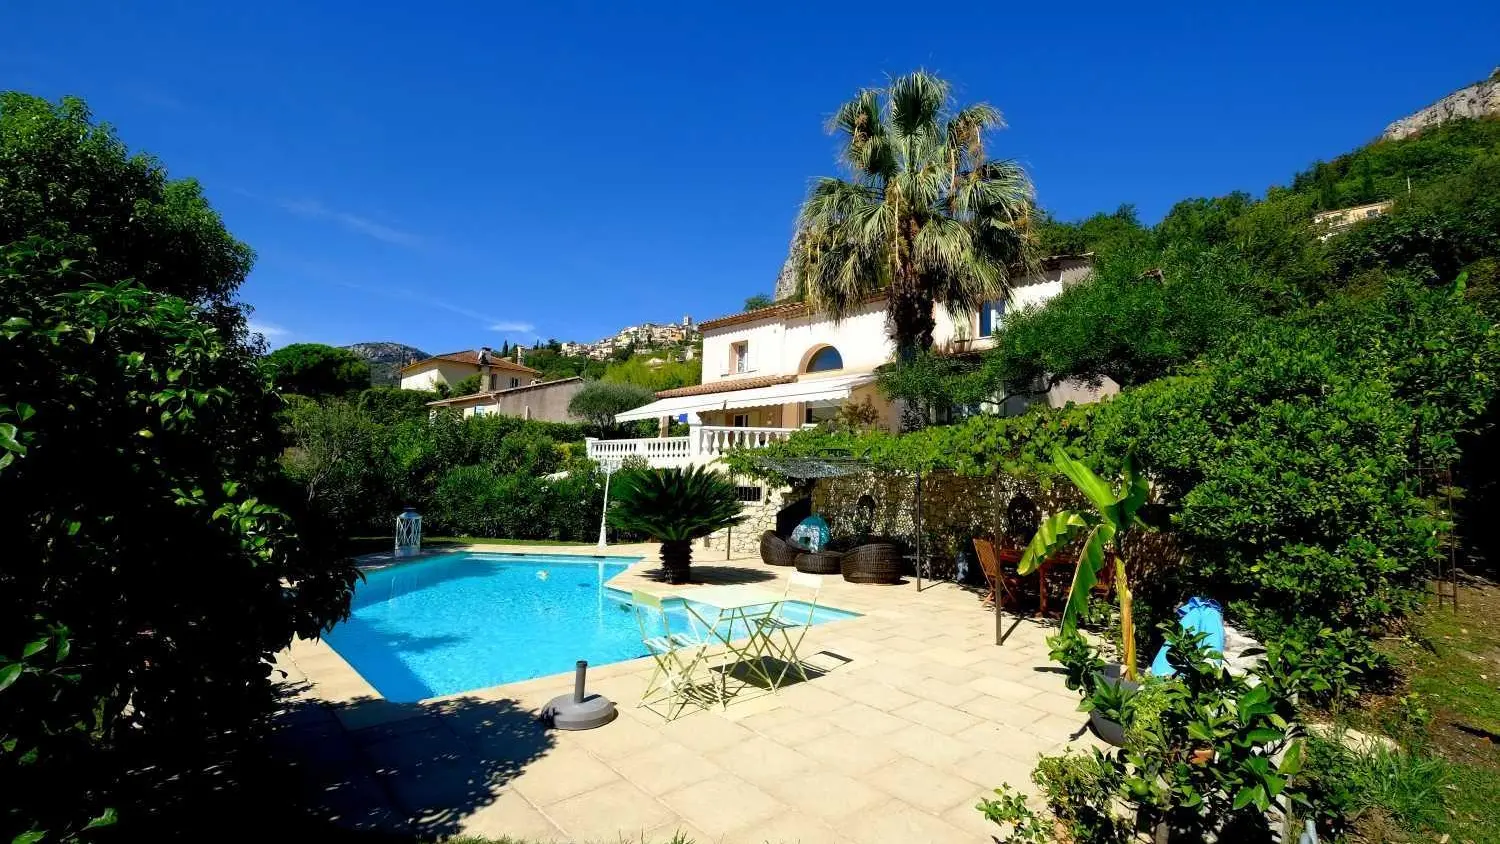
point(675, 507)
point(1102, 532)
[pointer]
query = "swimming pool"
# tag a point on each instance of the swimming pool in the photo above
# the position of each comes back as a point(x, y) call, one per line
point(464, 621)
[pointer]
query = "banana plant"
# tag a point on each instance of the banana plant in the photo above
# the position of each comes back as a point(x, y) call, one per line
point(1115, 513)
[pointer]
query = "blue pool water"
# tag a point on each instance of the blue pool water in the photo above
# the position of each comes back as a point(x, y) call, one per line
point(465, 621)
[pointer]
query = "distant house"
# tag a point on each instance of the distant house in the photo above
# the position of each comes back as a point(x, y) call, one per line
point(542, 400)
point(496, 373)
point(1330, 223)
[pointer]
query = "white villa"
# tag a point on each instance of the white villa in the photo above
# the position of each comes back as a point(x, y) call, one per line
point(773, 370)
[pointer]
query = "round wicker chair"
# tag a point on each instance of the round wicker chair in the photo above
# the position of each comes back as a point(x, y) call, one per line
point(876, 562)
point(820, 562)
point(775, 551)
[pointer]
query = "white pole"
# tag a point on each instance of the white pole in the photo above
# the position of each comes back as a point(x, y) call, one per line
point(605, 509)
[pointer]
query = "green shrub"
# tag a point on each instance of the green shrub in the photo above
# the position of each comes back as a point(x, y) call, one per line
point(1080, 789)
point(149, 577)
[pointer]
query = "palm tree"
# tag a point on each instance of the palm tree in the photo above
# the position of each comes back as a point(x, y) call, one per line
point(675, 507)
point(926, 216)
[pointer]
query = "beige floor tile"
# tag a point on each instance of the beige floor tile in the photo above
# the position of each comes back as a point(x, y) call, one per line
point(956, 657)
point(899, 823)
point(616, 811)
point(944, 719)
point(991, 769)
point(867, 720)
point(944, 692)
point(1060, 727)
point(807, 697)
point(1003, 688)
point(1010, 741)
point(723, 804)
point(511, 815)
point(879, 695)
point(945, 673)
point(801, 730)
point(560, 774)
point(793, 828)
point(760, 760)
point(826, 794)
point(666, 767)
point(1063, 703)
point(849, 754)
point(923, 786)
point(930, 746)
point(705, 731)
point(616, 740)
point(997, 711)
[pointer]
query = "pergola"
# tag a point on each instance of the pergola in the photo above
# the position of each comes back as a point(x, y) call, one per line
point(837, 465)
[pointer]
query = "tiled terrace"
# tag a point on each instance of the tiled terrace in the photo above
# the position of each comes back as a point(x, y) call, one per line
point(917, 715)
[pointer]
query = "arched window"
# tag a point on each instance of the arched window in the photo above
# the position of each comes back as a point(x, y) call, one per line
point(825, 359)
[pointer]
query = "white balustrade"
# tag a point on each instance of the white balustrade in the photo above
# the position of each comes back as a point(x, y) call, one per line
point(704, 444)
point(714, 440)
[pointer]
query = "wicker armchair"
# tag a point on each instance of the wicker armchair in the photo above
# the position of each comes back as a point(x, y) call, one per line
point(820, 562)
point(775, 551)
point(875, 562)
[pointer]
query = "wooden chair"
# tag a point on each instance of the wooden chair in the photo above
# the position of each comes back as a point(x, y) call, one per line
point(998, 567)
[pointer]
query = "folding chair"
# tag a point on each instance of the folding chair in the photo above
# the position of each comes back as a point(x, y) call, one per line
point(678, 656)
point(1002, 585)
point(792, 630)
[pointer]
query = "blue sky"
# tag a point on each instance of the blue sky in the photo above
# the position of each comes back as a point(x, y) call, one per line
point(456, 174)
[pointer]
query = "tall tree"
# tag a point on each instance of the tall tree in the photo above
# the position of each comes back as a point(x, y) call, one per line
point(70, 180)
point(925, 216)
point(316, 370)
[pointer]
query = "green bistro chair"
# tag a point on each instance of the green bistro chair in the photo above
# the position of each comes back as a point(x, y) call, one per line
point(675, 683)
point(791, 630)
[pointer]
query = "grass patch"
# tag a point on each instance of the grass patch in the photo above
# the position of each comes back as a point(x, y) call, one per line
point(373, 544)
point(1448, 715)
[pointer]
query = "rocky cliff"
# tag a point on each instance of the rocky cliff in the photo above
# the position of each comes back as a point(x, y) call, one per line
point(1478, 100)
point(385, 359)
point(786, 281)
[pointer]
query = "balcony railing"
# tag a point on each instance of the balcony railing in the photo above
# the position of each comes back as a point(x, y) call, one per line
point(703, 444)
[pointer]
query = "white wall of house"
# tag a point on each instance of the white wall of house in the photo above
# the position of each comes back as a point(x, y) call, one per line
point(963, 333)
point(781, 344)
point(428, 376)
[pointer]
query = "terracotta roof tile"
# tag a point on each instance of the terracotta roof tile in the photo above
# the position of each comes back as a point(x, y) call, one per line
point(728, 386)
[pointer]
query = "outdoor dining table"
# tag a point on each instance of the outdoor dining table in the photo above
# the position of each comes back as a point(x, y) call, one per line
point(748, 605)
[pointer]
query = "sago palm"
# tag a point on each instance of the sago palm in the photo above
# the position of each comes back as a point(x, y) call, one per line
point(925, 215)
point(675, 507)
point(1116, 512)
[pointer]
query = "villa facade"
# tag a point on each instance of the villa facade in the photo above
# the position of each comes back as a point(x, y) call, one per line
point(771, 371)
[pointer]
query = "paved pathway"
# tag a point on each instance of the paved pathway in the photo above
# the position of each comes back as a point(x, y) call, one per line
point(916, 716)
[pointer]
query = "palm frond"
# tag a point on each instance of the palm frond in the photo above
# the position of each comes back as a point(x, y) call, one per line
point(917, 101)
point(924, 213)
point(675, 504)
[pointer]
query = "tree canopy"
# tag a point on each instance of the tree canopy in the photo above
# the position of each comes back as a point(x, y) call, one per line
point(313, 369)
point(71, 181)
point(599, 401)
point(926, 216)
